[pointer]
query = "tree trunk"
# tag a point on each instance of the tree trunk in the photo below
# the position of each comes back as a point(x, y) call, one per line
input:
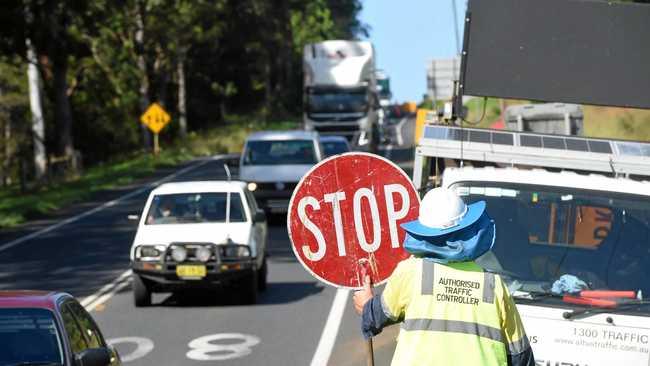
point(63, 113)
point(268, 101)
point(5, 174)
point(38, 125)
point(182, 107)
point(6, 135)
point(144, 77)
point(163, 80)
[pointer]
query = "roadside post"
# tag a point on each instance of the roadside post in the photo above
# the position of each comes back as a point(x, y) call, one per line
point(344, 220)
point(156, 118)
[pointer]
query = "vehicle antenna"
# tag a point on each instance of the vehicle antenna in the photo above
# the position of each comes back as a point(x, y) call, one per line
point(225, 167)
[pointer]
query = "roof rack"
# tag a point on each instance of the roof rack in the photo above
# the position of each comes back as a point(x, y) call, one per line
point(617, 157)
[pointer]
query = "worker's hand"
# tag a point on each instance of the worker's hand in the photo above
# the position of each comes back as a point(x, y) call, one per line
point(361, 297)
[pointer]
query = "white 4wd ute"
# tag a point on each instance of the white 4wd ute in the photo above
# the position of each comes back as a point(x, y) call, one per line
point(199, 235)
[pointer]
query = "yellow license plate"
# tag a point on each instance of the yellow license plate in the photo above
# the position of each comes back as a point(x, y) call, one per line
point(196, 271)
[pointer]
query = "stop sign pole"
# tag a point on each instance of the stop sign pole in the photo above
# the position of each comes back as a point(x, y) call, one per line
point(345, 215)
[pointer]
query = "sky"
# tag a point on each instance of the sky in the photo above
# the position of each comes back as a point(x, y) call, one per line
point(406, 35)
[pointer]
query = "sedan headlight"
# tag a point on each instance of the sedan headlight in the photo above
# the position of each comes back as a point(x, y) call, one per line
point(179, 254)
point(235, 251)
point(151, 252)
point(252, 186)
point(203, 253)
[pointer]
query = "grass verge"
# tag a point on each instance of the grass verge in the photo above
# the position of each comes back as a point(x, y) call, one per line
point(17, 207)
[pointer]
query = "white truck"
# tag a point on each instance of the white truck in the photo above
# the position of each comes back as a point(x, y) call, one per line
point(569, 211)
point(340, 91)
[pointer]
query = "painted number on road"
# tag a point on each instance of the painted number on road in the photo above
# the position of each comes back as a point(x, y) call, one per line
point(214, 347)
point(142, 347)
point(222, 346)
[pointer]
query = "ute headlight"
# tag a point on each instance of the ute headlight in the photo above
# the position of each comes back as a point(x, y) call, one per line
point(203, 253)
point(149, 251)
point(179, 254)
point(235, 251)
point(252, 186)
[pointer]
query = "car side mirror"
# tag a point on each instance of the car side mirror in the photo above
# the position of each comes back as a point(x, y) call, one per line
point(260, 216)
point(94, 357)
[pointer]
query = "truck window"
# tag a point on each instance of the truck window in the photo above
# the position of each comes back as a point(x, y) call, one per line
point(545, 232)
point(339, 101)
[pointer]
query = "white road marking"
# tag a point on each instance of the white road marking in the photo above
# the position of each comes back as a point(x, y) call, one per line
point(104, 298)
point(328, 337)
point(143, 346)
point(107, 291)
point(398, 131)
point(203, 348)
point(70, 220)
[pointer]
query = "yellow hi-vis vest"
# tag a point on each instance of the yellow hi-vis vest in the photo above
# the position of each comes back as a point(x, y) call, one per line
point(452, 314)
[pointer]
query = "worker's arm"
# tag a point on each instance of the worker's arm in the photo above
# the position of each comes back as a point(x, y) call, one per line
point(379, 311)
point(519, 352)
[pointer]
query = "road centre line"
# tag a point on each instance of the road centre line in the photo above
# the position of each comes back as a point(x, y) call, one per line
point(398, 131)
point(101, 207)
point(332, 324)
point(86, 302)
point(118, 286)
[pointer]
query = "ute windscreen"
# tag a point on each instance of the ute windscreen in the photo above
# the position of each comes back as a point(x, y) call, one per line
point(588, 52)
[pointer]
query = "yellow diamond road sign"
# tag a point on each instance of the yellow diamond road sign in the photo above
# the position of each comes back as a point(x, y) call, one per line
point(155, 118)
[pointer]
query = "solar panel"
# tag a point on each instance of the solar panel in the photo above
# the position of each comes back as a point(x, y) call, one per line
point(480, 136)
point(543, 150)
point(600, 146)
point(436, 133)
point(502, 138)
point(633, 148)
point(576, 145)
point(557, 142)
point(553, 143)
point(530, 141)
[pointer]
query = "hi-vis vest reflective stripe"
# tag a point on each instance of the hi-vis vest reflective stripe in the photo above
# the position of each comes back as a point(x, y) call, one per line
point(452, 314)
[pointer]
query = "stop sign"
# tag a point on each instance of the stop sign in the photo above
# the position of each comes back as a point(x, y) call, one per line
point(345, 214)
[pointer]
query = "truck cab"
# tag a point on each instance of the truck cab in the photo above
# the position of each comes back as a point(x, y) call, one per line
point(572, 217)
point(340, 91)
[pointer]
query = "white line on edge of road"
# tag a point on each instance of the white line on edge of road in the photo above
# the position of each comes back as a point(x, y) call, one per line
point(108, 288)
point(118, 286)
point(72, 219)
point(398, 131)
point(328, 337)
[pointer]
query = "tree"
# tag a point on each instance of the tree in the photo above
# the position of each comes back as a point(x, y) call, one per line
point(50, 34)
point(103, 61)
point(184, 23)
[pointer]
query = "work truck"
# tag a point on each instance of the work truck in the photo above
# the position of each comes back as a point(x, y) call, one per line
point(573, 233)
point(340, 91)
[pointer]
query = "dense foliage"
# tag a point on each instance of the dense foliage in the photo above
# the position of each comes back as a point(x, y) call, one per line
point(103, 61)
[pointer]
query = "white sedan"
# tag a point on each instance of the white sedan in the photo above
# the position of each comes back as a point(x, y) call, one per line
point(199, 235)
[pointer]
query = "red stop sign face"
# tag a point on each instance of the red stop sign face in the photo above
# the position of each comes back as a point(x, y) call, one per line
point(346, 213)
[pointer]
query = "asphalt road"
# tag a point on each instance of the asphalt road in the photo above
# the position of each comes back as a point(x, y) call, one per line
point(297, 321)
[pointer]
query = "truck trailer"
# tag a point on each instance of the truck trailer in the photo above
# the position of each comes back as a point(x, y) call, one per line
point(340, 91)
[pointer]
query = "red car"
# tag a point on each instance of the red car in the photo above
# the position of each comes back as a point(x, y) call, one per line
point(49, 328)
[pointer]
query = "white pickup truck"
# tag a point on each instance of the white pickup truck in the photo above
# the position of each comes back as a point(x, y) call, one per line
point(568, 216)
